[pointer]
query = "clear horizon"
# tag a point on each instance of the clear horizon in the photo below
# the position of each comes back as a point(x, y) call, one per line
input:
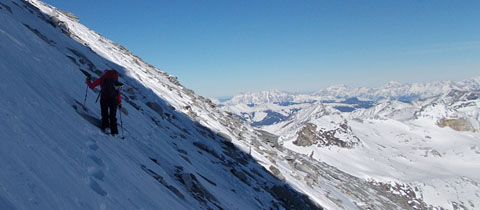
point(222, 48)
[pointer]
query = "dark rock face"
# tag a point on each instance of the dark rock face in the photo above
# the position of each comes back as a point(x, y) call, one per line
point(309, 136)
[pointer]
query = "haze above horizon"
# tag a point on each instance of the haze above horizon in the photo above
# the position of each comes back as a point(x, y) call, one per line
point(221, 48)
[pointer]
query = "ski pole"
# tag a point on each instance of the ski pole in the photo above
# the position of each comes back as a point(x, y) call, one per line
point(86, 91)
point(121, 122)
point(85, 100)
point(98, 96)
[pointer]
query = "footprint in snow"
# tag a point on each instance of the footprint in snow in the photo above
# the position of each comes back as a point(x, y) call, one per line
point(92, 145)
point(96, 187)
point(97, 160)
point(96, 173)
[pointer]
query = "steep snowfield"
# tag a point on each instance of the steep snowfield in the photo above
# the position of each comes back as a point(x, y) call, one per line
point(400, 144)
point(54, 157)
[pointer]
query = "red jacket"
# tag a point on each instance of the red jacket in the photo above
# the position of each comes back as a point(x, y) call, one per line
point(99, 81)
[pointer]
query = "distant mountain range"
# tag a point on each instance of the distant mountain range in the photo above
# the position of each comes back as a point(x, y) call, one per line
point(390, 91)
point(399, 91)
point(269, 107)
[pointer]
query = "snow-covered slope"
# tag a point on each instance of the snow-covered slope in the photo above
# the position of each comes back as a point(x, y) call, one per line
point(428, 147)
point(178, 152)
point(318, 125)
point(459, 110)
point(396, 110)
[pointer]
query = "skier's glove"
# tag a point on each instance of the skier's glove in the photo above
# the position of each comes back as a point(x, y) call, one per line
point(120, 106)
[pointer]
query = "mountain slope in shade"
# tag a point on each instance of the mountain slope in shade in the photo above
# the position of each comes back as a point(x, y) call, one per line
point(178, 152)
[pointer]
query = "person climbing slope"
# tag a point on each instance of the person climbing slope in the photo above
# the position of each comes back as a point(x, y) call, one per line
point(110, 99)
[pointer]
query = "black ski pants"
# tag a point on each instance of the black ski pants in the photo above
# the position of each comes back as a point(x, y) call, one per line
point(109, 114)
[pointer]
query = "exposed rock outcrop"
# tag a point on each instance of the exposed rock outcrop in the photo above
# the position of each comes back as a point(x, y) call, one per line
point(310, 135)
point(456, 124)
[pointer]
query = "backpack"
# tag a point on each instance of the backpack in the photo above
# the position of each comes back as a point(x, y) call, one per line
point(111, 85)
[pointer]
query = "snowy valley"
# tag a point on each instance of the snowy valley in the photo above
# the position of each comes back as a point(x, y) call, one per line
point(427, 144)
point(182, 151)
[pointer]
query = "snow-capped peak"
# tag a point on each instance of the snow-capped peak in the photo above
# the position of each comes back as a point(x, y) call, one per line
point(392, 84)
point(261, 97)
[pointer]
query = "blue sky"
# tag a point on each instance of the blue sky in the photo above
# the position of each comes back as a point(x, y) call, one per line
point(224, 47)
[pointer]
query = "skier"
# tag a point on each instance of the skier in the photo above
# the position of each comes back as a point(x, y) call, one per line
point(110, 99)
